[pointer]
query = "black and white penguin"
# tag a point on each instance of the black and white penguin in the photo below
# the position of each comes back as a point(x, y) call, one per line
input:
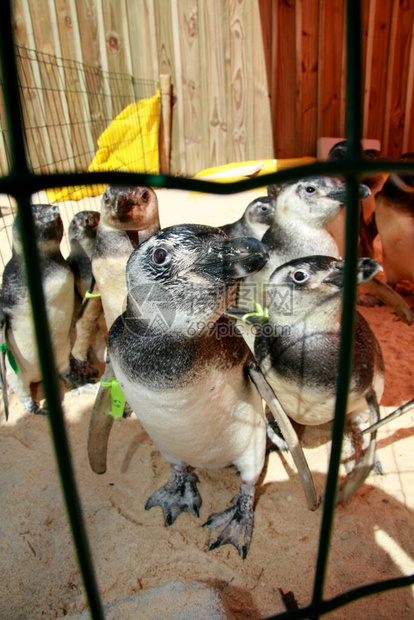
point(86, 331)
point(129, 215)
point(303, 211)
point(367, 228)
point(394, 215)
point(183, 368)
point(297, 346)
point(82, 240)
point(59, 291)
point(255, 221)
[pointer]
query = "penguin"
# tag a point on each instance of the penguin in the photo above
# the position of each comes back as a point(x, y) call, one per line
point(129, 215)
point(86, 329)
point(184, 369)
point(394, 215)
point(82, 240)
point(297, 347)
point(367, 228)
point(255, 221)
point(303, 211)
point(22, 361)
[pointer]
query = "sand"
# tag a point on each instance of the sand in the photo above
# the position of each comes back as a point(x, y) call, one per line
point(134, 550)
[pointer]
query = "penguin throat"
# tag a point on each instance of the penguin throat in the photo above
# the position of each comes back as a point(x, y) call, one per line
point(133, 236)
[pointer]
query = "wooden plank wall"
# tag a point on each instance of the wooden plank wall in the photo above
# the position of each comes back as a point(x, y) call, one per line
point(251, 79)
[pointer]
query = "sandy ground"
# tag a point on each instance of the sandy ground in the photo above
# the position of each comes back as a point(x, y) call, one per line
point(134, 549)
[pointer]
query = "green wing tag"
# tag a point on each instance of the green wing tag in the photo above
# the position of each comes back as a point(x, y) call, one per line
point(89, 295)
point(260, 312)
point(117, 398)
point(10, 357)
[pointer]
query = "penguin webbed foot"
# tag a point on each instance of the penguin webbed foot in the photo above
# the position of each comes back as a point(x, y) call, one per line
point(31, 406)
point(127, 411)
point(177, 496)
point(378, 468)
point(236, 521)
point(80, 373)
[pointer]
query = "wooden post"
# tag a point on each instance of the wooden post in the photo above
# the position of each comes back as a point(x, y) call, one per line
point(165, 128)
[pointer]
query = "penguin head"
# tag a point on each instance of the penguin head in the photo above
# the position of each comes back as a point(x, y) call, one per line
point(191, 271)
point(259, 214)
point(374, 181)
point(48, 228)
point(84, 224)
point(406, 181)
point(310, 289)
point(315, 201)
point(338, 151)
point(129, 208)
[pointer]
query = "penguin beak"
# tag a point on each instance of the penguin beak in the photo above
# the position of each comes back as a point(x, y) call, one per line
point(339, 193)
point(122, 205)
point(232, 259)
point(367, 269)
point(364, 191)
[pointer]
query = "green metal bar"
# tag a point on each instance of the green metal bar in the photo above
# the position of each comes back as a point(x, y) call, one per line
point(345, 598)
point(348, 313)
point(333, 168)
point(26, 226)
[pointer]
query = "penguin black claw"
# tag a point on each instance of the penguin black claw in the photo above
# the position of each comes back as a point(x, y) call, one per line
point(81, 372)
point(30, 406)
point(236, 521)
point(177, 496)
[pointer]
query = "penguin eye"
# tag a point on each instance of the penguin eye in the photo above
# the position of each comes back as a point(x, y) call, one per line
point(264, 208)
point(299, 276)
point(310, 189)
point(161, 256)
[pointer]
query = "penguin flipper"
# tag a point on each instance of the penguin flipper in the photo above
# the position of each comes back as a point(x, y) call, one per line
point(100, 424)
point(288, 433)
point(3, 380)
point(391, 416)
point(363, 468)
point(388, 296)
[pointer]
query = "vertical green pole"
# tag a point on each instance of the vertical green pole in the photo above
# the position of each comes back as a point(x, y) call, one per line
point(353, 118)
point(19, 171)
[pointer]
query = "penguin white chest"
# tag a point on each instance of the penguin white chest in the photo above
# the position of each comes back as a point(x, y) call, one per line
point(109, 273)
point(212, 422)
point(59, 299)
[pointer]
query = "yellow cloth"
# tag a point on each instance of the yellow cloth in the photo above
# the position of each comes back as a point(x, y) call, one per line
point(237, 171)
point(128, 144)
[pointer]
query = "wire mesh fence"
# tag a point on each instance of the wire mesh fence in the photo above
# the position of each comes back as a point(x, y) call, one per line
point(78, 117)
point(53, 173)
